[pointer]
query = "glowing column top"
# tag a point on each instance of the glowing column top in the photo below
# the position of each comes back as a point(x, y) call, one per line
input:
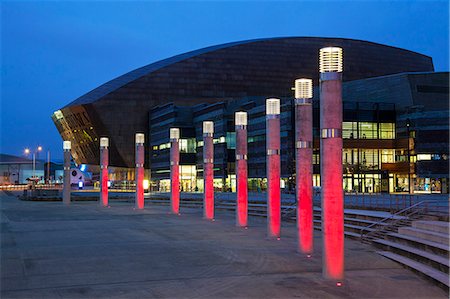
point(273, 106)
point(67, 145)
point(140, 138)
point(208, 127)
point(303, 88)
point(104, 142)
point(331, 60)
point(174, 134)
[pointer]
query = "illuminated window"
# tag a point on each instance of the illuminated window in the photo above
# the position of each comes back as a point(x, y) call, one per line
point(387, 156)
point(187, 145)
point(368, 159)
point(423, 157)
point(367, 130)
point(164, 146)
point(387, 131)
point(349, 130)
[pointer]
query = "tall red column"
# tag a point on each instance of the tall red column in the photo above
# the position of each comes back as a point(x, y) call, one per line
point(241, 169)
point(303, 170)
point(175, 170)
point(331, 162)
point(273, 168)
point(139, 201)
point(104, 158)
point(67, 145)
point(208, 170)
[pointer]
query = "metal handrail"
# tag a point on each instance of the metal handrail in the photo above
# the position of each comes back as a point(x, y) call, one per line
point(426, 202)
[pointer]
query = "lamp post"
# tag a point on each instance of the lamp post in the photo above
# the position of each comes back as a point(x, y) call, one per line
point(208, 170)
point(241, 169)
point(303, 150)
point(330, 65)
point(273, 168)
point(66, 183)
point(175, 170)
point(139, 200)
point(104, 159)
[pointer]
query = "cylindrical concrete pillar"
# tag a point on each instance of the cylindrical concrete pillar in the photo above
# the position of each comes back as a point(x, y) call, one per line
point(331, 162)
point(104, 159)
point(139, 201)
point(241, 169)
point(273, 168)
point(303, 169)
point(175, 170)
point(208, 170)
point(67, 145)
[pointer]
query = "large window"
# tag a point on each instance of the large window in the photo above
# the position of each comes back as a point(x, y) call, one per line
point(368, 130)
point(387, 131)
point(187, 145)
point(387, 156)
point(349, 130)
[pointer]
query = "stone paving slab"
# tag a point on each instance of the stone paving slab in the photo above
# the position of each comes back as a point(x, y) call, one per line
point(84, 251)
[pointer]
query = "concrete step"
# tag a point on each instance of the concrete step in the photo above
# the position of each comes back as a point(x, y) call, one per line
point(426, 245)
point(438, 262)
point(431, 273)
point(435, 226)
point(425, 234)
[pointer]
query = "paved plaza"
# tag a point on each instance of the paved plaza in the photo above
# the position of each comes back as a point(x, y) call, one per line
point(85, 251)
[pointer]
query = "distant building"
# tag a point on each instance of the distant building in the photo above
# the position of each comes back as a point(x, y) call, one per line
point(395, 111)
point(16, 170)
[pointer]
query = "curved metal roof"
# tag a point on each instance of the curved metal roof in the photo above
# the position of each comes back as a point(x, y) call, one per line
point(131, 76)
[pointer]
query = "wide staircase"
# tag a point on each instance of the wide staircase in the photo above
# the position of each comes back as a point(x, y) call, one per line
point(422, 247)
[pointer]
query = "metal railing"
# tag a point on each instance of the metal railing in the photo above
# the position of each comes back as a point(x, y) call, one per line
point(404, 217)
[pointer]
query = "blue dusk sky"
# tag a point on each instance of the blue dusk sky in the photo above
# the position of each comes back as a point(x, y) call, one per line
point(55, 51)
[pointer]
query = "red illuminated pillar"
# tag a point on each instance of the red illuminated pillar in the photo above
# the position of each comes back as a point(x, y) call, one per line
point(303, 170)
point(273, 168)
point(139, 171)
point(104, 157)
point(66, 186)
point(175, 170)
point(241, 169)
point(208, 170)
point(331, 162)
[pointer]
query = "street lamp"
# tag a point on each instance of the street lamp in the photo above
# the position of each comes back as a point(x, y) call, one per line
point(27, 151)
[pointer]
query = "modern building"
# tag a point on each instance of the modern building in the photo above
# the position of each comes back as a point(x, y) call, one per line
point(395, 111)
